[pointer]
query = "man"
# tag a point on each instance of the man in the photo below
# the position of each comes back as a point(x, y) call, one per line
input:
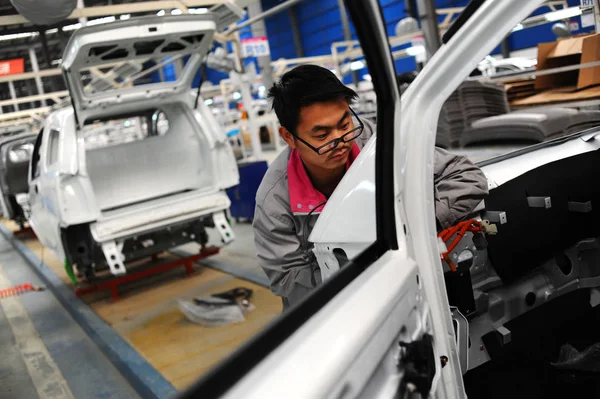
point(324, 137)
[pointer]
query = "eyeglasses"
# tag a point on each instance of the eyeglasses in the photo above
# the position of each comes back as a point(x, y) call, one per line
point(331, 145)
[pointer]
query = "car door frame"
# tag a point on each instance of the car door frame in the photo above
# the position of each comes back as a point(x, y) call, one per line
point(45, 221)
point(50, 182)
point(359, 312)
point(37, 215)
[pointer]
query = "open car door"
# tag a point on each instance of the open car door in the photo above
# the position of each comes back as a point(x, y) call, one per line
point(111, 64)
point(371, 330)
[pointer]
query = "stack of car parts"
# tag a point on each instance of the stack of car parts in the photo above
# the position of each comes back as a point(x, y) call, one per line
point(530, 126)
point(472, 101)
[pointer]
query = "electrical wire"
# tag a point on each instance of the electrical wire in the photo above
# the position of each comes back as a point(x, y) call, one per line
point(19, 289)
point(458, 231)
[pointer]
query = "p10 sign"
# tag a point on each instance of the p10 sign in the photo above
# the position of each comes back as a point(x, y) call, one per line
point(255, 47)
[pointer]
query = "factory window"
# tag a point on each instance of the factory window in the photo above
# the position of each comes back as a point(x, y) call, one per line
point(125, 129)
point(53, 141)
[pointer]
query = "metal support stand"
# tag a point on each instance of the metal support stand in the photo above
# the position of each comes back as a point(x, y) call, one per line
point(347, 33)
point(113, 284)
point(258, 30)
point(82, 20)
point(35, 67)
point(13, 93)
point(429, 26)
point(246, 91)
point(597, 15)
point(295, 25)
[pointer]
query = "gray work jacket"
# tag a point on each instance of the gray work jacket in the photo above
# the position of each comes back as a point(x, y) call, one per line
point(281, 235)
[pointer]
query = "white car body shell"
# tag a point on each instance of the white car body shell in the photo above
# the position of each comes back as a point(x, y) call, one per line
point(159, 181)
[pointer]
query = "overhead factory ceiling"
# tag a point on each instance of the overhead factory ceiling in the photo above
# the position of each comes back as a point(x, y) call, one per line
point(48, 41)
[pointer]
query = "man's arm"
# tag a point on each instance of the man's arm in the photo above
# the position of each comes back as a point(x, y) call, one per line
point(291, 270)
point(459, 187)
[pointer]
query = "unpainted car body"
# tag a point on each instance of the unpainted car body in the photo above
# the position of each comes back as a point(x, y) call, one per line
point(131, 169)
point(15, 154)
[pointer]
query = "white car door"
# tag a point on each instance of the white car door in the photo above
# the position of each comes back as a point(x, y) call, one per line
point(49, 183)
point(36, 217)
point(42, 196)
point(369, 330)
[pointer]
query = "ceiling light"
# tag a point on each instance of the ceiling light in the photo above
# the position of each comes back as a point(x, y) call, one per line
point(208, 101)
point(56, 62)
point(52, 31)
point(124, 17)
point(101, 21)
point(565, 13)
point(236, 95)
point(197, 10)
point(176, 11)
point(161, 13)
point(71, 27)
point(356, 65)
point(18, 36)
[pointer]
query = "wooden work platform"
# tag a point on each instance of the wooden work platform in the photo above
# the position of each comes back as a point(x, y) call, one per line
point(148, 318)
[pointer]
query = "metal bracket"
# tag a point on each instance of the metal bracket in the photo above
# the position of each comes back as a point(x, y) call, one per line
point(461, 327)
point(113, 252)
point(539, 202)
point(581, 207)
point(505, 335)
point(496, 217)
point(223, 227)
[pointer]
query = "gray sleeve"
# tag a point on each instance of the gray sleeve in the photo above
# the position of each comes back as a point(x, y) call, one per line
point(459, 187)
point(291, 270)
point(368, 132)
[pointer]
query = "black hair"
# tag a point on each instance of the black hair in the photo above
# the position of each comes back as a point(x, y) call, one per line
point(302, 86)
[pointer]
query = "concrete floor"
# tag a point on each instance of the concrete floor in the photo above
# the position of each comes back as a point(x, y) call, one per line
point(45, 354)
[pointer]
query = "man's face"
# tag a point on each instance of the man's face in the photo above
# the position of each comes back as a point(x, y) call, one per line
point(319, 124)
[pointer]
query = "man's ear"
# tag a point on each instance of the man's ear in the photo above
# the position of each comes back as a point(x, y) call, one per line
point(287, 137)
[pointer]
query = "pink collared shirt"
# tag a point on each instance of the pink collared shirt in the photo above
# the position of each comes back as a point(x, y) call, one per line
point(304, 197)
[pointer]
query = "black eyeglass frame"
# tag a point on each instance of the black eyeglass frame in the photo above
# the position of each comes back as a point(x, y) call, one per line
point(337, 141)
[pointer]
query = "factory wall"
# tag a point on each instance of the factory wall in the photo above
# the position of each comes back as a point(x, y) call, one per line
point(320, 25)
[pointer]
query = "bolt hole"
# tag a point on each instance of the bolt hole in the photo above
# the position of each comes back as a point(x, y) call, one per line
point(223, 226)
point(81, 249)
point(112, 257)
point(404, 227)
point(418, 281)
point(530, 299)
point(564, 264)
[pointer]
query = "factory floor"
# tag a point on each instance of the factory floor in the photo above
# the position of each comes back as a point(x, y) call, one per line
point(45, 353)
point(147, 315)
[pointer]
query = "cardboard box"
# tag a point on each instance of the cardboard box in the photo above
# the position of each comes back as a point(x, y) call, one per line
point(566, 52)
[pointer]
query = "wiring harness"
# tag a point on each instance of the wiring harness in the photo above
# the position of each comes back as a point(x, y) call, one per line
point(458, 231)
